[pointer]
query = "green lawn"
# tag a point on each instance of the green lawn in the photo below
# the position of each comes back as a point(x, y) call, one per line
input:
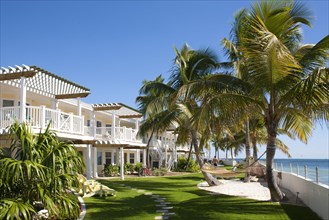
point(187, 200)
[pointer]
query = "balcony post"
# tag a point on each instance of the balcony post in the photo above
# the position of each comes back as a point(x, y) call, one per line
point(42, 116)
point(95, 163)
point(89, 161)
point(113, 125)
point(59, 119)
point(79, 106)
point(82, 124)
point(122, 164)
point(71, 121)
point(23, 99)
point(55, 104)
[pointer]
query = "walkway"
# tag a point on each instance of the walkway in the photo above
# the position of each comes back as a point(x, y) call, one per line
point(161, 204)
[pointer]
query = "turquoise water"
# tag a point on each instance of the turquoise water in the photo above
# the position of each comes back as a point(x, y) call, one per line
point(311, 164)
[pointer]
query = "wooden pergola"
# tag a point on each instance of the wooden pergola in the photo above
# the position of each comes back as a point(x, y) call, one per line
point(41, 81)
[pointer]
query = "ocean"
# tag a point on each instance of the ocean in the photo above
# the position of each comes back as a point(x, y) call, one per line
point(311, 164)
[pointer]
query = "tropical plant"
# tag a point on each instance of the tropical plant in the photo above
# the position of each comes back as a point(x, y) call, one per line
point(180, 105)
point(286, 83)
point(39, 174)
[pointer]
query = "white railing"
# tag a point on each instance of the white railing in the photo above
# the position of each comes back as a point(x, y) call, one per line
point(121, 133)
point(40, 116)
point(8, 115)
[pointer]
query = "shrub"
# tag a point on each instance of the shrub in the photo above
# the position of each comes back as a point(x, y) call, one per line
point(160, 172)
point(129, 168)
point(110, 170)
point(138, 167)
point(183, 165)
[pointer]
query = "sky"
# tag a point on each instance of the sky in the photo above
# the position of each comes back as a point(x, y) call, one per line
point(110, 47)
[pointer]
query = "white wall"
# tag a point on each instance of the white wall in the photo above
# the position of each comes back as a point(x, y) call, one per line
point(313, 195)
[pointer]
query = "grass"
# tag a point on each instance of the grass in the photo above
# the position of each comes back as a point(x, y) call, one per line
point(188, 201)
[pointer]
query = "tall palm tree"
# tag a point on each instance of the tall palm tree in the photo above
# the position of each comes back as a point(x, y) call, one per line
point(189, 65)
point(286, 83)
point(285, 74)
point(38, 171)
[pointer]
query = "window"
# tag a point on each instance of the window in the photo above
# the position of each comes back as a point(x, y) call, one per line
point(7, 103)
point(88, 123)
point(131, 158)
point(141, 157)
point(125, 158)
point(99, 158)
point(98, 124)
point(108, 159)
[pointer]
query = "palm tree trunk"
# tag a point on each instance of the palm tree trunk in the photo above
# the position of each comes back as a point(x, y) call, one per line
point(148, 150)
point(276, 194)
point(254, 145)
point(208, 177)
point(189, 156)
point(247, 175)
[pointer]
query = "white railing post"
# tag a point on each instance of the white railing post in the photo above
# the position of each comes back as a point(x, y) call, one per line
point(43, 116)
point(281, 167)
point(317, 174)
point(297, 170)
point(305, 171)
point(71, 121)
point(122, 164)
point(82, 124)
point(23, 99)
point(59, 119)
point(113, 126)
point(290, 168)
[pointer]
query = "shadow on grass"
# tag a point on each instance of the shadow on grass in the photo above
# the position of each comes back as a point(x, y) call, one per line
point(294, 212)
point(138, 206)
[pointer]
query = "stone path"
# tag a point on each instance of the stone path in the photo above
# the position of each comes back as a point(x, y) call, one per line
point(162, 206)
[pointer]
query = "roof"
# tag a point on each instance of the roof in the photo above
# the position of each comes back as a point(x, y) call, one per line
point(42, 81)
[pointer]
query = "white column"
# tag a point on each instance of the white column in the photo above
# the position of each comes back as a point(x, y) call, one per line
point(89, 161)
point(144, 158)
point(165, 145)
point(95, 163)
point(122, 163)
point(55, 104)
point(93, 123)
point(138, 156)
point(23, 99)
point(79, 106)
point(136, 124)
point(43, 117)
point(113, 126)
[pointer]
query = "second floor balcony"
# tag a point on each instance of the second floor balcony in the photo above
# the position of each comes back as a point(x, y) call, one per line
point(39, 117)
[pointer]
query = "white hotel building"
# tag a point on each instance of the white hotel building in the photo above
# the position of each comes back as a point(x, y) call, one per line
point(103, 133)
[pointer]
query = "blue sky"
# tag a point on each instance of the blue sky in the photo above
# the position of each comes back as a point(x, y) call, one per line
point(111, 46)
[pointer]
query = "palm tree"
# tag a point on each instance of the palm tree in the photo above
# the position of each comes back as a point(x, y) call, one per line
point(39, 172)
point(285, 74)
point(285, 82)
point(189, 65)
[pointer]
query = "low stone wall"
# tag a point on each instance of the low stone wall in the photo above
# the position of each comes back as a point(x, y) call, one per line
point(315, 196)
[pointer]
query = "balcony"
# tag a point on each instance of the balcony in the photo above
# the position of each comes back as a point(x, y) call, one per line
point(121, 134)
point(38, 117)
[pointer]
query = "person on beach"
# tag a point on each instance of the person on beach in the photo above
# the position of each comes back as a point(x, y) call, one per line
point(215, 161)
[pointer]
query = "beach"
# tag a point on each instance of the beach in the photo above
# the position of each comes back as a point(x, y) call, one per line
point(252, 190)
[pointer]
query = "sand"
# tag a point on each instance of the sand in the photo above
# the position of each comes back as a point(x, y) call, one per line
point(252, 190)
